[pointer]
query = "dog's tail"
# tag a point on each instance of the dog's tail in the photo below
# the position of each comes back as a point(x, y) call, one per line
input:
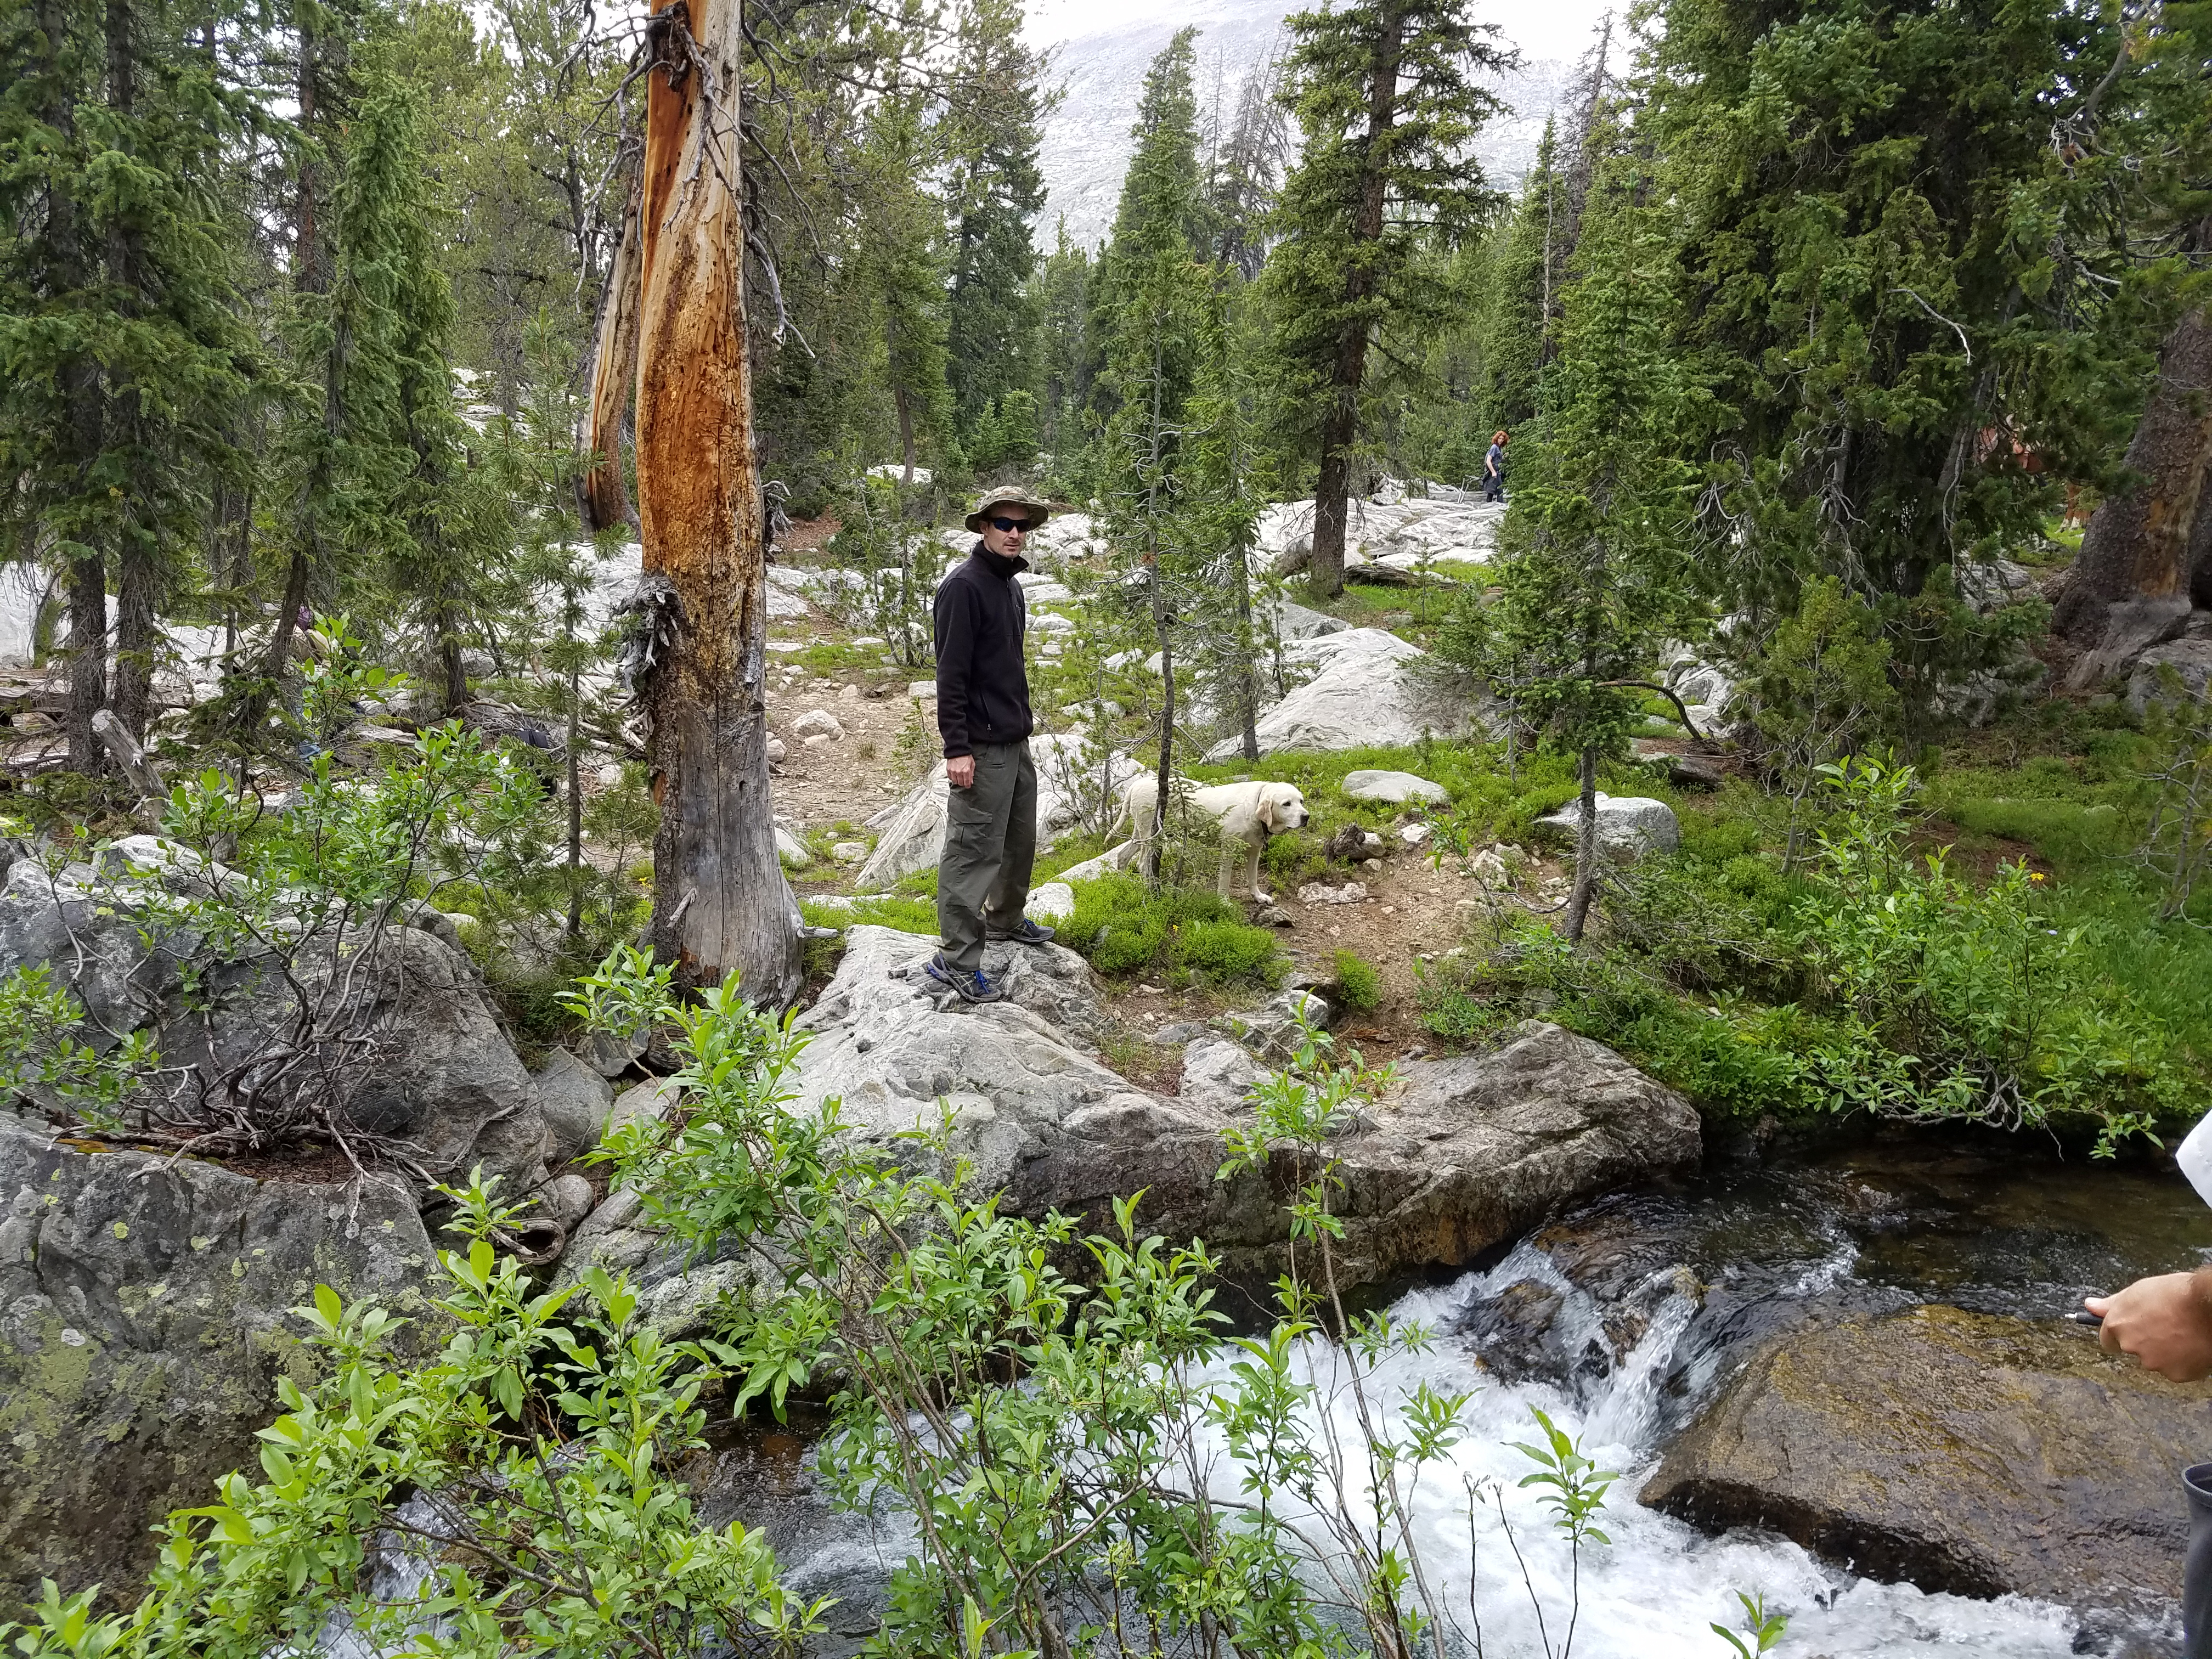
point(1140, 800)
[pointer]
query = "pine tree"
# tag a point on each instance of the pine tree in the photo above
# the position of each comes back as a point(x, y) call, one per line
point(1519, 309)
point(1157, 218)
point(123, 358)
point(1248, 170)
point(1386, 98)
point(1063, 301)
point(1600, 536)
point(995, 191)
point(902, 269)
point(1891, 297)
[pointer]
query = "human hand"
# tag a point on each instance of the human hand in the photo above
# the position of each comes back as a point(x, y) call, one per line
point(2165, 1321)
point(960, 771)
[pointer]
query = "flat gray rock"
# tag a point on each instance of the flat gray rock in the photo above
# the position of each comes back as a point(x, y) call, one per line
point(1961, 1452)
point(1393, 788)
point(1627, 825)
point(1367, 687)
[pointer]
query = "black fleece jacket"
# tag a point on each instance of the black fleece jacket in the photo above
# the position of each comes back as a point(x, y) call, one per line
point(982, 689)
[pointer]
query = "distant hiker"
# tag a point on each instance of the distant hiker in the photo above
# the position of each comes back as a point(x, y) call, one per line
point(983, 717)
point(1493, 469)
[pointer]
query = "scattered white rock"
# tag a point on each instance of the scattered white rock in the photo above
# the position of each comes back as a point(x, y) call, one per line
point(1053, 902)
point(609, 776)
point(776, 751)
point(850, 694)
point(1393, 788)
point(849, 852)
point(1415, 834)
point(925, 689)
point(791, 851)
point(1320, 892)
point(818, 721)
point(817, 740)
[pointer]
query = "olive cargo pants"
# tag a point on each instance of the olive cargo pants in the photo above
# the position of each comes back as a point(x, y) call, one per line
point(990, 844)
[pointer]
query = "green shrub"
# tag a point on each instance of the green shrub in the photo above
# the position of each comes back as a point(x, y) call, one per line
point(1180, 935)
point(543, 1433)
point(1357, 984)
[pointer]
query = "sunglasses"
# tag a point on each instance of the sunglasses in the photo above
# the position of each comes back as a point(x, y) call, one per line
point(1010, 525)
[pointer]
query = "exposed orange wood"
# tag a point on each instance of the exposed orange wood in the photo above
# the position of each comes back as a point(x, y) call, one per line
point(721, 903)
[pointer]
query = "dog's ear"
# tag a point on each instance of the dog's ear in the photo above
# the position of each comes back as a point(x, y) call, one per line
point(1264, 808)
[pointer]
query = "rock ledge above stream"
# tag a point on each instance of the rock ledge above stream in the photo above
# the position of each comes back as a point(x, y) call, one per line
point(1462, 1156)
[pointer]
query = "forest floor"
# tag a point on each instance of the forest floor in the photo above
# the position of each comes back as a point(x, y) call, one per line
point(1416, 909)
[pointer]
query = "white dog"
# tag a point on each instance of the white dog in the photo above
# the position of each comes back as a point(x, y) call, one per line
point(1244, 815)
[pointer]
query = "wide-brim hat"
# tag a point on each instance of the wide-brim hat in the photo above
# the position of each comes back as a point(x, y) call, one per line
point(1008, 496)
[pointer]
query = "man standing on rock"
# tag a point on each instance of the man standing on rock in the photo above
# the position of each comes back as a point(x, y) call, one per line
point(983, 717)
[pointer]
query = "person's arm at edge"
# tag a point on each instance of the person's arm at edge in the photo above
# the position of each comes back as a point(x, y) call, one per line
point(954, 614)
point(2165, 1321)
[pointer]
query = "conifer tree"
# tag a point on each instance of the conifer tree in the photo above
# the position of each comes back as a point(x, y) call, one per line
point(1248, 170)
point(1900, 362)
point(121, 352)
point(995, 190)
point(1600, 535)
point(1063, 352)
point(1157, 218)
point(1387, 100)
point(902, 268)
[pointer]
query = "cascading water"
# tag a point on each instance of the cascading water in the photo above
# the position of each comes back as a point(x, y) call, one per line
point(1620, 1323)
point(1662, 1298)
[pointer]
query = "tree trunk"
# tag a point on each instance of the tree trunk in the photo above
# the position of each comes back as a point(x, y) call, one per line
point(605, 502)
point(1578, 902)
point(1341, 424)
point(137, 557)
point(2136, 546)
point(79, 386)
point(1248, 654)
point(720, 904)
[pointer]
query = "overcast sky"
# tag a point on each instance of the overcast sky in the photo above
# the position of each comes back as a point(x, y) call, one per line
point(1542, 28)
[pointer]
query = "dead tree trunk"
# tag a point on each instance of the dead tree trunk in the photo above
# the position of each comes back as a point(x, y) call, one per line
point(721, 903)
point(604, 502)
point(2134, 567)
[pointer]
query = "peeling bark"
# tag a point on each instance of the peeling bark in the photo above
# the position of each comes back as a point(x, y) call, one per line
point(721, 903)
point(604, 502)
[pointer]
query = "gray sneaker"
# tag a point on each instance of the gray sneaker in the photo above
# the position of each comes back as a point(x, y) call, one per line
point(1023, 932)
point(972, 988)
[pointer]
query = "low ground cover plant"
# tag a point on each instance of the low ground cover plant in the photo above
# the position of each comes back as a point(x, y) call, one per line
point(1879, 976)
point(1181, 936)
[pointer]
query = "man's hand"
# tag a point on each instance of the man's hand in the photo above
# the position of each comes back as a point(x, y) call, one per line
point(960, 771)
point(2165, 1322)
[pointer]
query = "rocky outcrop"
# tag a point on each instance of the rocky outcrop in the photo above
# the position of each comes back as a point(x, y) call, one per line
point(1959, 1452)
point(1368, 687)
point(1461, 1155)
point(402, 1040)
point(143, 1322)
